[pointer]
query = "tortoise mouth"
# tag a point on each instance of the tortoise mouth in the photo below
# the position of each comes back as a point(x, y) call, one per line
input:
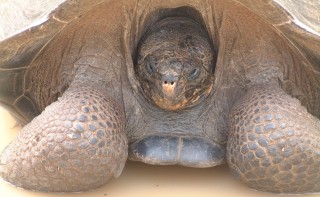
point(186, 99)
point(169, 104)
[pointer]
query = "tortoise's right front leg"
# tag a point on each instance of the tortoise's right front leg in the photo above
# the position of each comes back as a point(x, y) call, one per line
point(77, 143)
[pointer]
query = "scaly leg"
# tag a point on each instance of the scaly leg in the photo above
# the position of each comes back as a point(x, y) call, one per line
point(77, 143)
point(274, 142)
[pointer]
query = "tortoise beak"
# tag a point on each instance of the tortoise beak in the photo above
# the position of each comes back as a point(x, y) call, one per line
point(169, 86)
point(170, 92)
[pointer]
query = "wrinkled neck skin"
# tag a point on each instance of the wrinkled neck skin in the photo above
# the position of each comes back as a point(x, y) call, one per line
point(244, 45)
point(205, 118)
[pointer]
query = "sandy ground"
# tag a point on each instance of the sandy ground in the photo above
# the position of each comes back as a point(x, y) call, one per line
point(139, 179)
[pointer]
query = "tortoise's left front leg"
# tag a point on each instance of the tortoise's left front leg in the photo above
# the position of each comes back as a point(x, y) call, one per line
point(274, 143)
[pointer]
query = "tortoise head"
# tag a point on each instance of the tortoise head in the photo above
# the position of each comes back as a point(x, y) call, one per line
point(174, 64)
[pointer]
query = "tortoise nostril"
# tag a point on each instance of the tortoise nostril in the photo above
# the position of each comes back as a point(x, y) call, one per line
point(167, 82)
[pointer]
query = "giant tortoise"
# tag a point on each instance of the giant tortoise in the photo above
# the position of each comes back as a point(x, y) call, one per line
point(184, 82)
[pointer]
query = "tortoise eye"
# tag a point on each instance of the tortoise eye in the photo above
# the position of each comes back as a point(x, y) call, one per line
point(194, 74)
point(150, 68)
